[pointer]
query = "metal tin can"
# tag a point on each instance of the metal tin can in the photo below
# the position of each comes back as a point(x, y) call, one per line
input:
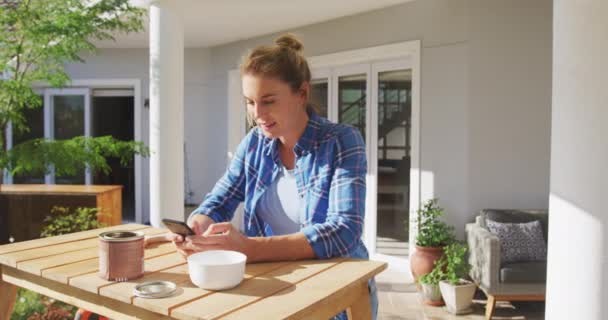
point(121, 255)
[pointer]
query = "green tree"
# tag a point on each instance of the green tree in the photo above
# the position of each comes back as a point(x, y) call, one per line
point(37, 37)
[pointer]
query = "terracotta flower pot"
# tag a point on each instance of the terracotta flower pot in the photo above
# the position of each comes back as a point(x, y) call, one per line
point(423, 260)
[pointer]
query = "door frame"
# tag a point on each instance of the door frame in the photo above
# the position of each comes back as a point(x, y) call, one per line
point(376, 68)
point(138, 133)
point(49, 120)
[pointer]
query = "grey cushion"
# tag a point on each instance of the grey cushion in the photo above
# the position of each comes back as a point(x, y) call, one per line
point(527, 272)
point(517, 216)
point(519, 241)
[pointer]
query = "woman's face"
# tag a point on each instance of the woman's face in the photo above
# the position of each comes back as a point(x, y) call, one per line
point(272, 104)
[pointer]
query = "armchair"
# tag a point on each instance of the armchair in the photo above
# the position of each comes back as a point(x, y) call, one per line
point(500, 281)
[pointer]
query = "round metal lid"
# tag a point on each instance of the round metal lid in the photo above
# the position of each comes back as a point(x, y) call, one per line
point(121, 235)
point(155, 289)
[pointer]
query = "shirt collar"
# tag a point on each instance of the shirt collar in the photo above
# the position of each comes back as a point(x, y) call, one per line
point(305, 144)
point(308, 140)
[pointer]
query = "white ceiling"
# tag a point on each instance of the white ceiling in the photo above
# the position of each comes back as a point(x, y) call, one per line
point(214, 22)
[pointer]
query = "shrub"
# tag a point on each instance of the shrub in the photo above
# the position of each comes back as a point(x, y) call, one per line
point(433, 232)
point(65, 220)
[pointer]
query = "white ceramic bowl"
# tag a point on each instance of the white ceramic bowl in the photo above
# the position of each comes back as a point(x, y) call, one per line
point(217, 269)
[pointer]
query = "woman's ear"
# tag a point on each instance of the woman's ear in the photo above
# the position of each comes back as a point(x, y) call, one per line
point(305, 91)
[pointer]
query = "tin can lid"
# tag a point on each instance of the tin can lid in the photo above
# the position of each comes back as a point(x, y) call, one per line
point(155, 289)
point(121, 235)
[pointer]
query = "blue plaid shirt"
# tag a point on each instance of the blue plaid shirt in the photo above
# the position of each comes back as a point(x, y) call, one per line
point(330, 174)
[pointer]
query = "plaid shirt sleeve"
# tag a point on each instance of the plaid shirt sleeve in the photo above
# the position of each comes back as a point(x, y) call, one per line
point(341, 231)
point(229, 191)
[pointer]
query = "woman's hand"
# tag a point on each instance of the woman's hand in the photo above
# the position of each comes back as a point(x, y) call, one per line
point(218, 236)
point(199, 224)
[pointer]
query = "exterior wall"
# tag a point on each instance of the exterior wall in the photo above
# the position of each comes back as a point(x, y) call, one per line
point(485, 96)
point(485, 93)
point(578, 229)
point(510, 103)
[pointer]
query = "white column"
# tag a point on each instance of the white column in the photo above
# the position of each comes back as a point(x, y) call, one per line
point(577, 280)
point(166, 112)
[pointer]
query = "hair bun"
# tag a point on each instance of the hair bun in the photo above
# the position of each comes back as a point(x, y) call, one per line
point(289, 41)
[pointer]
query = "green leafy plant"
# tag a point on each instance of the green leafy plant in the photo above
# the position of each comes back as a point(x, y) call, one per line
point(65, 220)
point(436, 275)
point(456, 264)
point(37, 39)
point(452, 267)
point(68, 157)
point(62, 220)
point(433, 232)
point(27, 303)
point(33, 306)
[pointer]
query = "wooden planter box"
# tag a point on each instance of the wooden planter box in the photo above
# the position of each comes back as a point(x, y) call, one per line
point(24, 207)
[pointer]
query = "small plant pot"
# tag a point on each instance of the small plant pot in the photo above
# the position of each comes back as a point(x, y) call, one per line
point(431, 294)
point(458, 298)
point(423, 260)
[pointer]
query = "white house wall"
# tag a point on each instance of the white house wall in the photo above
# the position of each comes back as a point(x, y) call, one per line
point(510, 103)
point(485, 100)
point(485, 96)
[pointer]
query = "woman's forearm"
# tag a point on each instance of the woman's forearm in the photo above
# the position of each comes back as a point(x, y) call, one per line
point(276, 248)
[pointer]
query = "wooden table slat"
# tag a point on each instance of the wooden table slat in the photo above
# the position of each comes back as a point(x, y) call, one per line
point(92, 282)
point(57, 188)
point(301, 301)
point(65, 272)
point(255, 289)
point(37, 265)
point(37, 243)
point(14, 259)
point(188, 291)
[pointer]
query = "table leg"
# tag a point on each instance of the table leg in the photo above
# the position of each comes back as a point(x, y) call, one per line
point(361, 308)
point(490, 305)
point(8, 294)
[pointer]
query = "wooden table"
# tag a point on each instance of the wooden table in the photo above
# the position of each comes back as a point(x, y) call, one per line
point(33, 202)
point(65, 268)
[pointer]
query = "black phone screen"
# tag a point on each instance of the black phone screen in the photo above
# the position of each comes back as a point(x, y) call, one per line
point(178, 227)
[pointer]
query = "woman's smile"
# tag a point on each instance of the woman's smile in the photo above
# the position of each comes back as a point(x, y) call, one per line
point(267, 126)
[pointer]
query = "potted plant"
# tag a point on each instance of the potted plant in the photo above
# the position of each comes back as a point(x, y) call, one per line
point(456, 291)
point(433, 235)
point(429, 284)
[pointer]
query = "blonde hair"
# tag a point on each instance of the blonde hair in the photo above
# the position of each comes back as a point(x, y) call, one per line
point(283, 61)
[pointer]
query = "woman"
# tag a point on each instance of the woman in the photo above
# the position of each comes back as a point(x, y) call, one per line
point(301, 177)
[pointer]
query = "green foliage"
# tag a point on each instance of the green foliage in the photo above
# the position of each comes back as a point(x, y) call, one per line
point(69, 157)
point(436, 275)
point(433, 232)
point(37, 37)
point(31, 305)
point(457, 266)
point(27, 303)
point(452, 266)
point(65, 220)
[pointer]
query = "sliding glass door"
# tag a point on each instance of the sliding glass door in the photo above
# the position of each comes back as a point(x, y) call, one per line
point(67, 115)
point(376, 98)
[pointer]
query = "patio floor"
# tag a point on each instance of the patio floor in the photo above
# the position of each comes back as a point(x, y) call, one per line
point(399, 300)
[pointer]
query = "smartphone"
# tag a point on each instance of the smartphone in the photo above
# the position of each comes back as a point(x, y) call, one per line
point(178, 227)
